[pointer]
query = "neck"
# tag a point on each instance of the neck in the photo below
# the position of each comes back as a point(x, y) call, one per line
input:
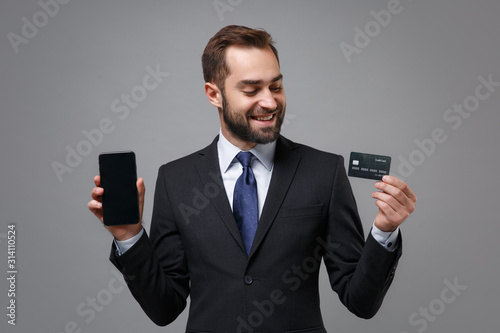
point(234, 140)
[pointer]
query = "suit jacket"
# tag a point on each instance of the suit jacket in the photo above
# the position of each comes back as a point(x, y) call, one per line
point(195, 248)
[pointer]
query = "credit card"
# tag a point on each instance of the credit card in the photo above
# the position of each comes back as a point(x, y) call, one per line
point(369, 166)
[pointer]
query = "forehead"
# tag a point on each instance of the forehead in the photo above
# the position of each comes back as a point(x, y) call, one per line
point(251, 63)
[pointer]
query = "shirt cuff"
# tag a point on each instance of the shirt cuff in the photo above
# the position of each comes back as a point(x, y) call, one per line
point(386, 239)
point(124, 246)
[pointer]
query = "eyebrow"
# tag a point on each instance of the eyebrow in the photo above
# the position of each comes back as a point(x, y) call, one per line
point(254, 82)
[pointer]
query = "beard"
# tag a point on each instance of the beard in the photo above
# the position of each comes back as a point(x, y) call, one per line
point(239, 124)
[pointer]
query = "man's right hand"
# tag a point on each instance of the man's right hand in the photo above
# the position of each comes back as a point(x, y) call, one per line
point(120, 232)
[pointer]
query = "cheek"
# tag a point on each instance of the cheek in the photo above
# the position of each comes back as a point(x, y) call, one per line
point(281, 99)
point(240, 105)
point(248, 107)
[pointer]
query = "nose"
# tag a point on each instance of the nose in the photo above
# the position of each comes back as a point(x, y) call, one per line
point(267, 101)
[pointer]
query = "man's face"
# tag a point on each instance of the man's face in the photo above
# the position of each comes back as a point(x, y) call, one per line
point(253, 101)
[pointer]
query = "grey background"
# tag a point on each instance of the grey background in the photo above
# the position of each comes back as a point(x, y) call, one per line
point(395, 91)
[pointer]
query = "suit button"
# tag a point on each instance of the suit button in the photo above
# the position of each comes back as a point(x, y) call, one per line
point(248, 280)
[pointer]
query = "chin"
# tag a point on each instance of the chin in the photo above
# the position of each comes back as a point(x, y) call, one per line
point(267, 136)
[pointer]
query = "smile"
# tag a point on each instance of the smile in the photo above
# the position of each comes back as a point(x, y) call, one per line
point(263, 118)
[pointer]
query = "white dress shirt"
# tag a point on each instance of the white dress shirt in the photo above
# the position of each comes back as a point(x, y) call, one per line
point(262, 166)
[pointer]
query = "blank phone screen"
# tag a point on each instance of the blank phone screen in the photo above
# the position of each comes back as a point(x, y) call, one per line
point(120, 201)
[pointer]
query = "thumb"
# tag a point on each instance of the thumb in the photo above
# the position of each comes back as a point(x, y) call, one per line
point(141, 189)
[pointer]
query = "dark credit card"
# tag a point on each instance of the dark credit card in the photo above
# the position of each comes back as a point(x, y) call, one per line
point(369, 166)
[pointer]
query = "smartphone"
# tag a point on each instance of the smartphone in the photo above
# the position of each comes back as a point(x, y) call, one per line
point(120, 200)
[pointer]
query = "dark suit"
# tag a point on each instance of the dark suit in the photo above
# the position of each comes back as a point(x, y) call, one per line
point(195, 248)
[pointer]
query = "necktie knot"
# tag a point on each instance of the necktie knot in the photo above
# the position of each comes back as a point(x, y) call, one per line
point(244, 157)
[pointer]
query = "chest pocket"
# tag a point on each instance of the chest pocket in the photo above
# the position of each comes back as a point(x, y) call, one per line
point(311, 210)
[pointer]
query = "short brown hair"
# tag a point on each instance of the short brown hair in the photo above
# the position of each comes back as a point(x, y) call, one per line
point(213, 59)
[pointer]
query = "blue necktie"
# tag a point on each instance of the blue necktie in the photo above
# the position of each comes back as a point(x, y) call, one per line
point(245, 208)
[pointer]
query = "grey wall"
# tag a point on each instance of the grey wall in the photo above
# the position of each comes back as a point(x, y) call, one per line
point(394, 91)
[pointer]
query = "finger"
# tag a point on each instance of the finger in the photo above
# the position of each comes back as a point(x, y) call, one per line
point(391, 201)
point(391, 218)
point(97, 181)
point(94, 205)
point(97, 193)
point(398, 183)
point(397, 193)
point(96, 208)
point(393, 211)
point(141, 188)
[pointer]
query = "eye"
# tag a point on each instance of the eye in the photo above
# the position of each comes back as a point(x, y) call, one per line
point(250, 93)
point(276, 89)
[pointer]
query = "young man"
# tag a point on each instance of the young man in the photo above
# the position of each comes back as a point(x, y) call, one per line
point(244, 234)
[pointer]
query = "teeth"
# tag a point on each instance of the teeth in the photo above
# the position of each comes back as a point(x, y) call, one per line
point(264, 118)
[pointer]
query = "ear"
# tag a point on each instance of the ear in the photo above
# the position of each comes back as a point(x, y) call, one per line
point(214, 94)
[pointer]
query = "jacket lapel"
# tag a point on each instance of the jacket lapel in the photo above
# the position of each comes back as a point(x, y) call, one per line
point(209, 171)
point(285, 165)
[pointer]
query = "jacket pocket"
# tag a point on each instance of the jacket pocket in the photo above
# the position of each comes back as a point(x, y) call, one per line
point(311, 210)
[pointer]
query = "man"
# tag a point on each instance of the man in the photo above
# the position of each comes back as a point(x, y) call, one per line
point(249, 254)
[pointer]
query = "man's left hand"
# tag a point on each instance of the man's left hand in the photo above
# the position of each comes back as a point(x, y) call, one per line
point(395, 201)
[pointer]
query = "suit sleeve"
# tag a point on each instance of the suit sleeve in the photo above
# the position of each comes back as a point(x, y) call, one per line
point(155, 268)
point(360, 272)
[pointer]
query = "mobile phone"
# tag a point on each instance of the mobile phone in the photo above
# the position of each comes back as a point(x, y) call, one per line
point(120, 200)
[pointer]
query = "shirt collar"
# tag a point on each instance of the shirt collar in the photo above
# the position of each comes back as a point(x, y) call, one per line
point(227, 153)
